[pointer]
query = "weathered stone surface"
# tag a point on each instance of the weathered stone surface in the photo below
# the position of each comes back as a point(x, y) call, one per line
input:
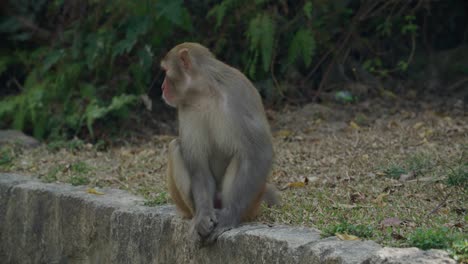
point(411, 255)
point(58, 223)
point(17, 137)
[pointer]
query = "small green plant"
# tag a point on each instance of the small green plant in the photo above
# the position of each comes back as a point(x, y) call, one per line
point(74, 144)
point(437, 238)
point(362, 231)
point(458, 176)
point(417, 164)
point(51, 175)
point(6, 157)
point(159, 199)
point(459, 250)
point(80, 167)
point(78, 180)
point(394, 171)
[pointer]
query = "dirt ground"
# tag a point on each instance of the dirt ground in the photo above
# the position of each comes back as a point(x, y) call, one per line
point(390, 167)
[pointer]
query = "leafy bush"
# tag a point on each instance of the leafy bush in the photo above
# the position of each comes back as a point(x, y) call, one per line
point(67, 66)
point(93, 61)
point(431, 238)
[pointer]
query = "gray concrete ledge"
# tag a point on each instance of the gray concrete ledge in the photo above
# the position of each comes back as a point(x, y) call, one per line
point(59, 223)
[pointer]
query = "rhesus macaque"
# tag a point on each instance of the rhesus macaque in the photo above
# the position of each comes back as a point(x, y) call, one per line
point(219, 164)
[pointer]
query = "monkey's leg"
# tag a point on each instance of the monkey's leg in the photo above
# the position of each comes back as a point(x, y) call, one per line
point(269, 195)
point(252, 210)
point(178, 180)
point(243, 188)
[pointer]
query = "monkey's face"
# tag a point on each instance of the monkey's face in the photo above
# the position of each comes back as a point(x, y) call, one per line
point(177, 78)
point(172, 84)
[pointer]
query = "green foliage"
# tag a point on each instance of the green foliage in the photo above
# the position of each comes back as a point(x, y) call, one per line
point(96, 70)
point(78, 180)
point(94, 111)
point(432, 238)
point(74, 144)
point(6, 157)
point(261, 33)
point(458, 176)
point(395, 171)
point(302, 46)
point(51, 175)
point(459, 250)
point(362, 231)
point(72, 67)
point(417, 164)
point(159, 199)
point(80, 167)
point(219, 11)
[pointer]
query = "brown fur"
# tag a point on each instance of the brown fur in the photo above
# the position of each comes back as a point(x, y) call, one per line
point(224, 151)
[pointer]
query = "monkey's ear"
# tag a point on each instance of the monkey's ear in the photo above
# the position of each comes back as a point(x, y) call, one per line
point(185, 58)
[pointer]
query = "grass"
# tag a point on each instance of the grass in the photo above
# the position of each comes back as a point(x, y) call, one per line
point(74, 144)
point(78, 180)
point(361, 231)
point(438, 238)
point(458, 176)
point(417, 164)
point(6, 157)
point(459, 250)
point(353, 173)
point(159, 199)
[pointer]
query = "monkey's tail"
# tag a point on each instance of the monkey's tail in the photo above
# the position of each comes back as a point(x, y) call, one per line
point(271, 196)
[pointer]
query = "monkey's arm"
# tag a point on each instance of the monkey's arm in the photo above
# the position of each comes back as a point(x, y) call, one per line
point(203, 189)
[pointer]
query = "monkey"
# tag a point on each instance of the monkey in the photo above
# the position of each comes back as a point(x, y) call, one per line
point(219, 164)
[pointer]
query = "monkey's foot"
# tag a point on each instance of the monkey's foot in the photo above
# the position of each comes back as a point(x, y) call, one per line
point(215, 234)
point(204, 224)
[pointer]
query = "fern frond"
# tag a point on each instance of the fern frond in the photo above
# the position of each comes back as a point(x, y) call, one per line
point(303, 46)
point(261, 35)
point(219, 11)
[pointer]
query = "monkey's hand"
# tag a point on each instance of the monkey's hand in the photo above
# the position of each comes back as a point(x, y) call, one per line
point(204, 223)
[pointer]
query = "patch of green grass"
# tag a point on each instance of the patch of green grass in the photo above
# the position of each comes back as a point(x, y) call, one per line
point(78, 180)
point(428, 238)
point(362, 231)
point(394, 171)
point(159, 199)
point(418, 164)
point(51, 175)
point(74, 144)
point(6, 157)
point(459, 250)
point(80, 167)
point(361, 119)
point(458, 176)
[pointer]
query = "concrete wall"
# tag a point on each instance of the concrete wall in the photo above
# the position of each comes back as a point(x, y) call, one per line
point(58, 223)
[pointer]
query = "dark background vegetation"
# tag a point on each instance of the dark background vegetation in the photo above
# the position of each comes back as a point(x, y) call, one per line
point(79, 67)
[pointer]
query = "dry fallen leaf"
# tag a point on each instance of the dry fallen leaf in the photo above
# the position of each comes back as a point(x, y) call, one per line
point(94, 191)
point(346, 237)
point(283, 133)
point(353, 125)
point(380, 199)
point(418, 125)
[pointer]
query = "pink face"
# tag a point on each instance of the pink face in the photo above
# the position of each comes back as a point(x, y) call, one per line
point(167, 90)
